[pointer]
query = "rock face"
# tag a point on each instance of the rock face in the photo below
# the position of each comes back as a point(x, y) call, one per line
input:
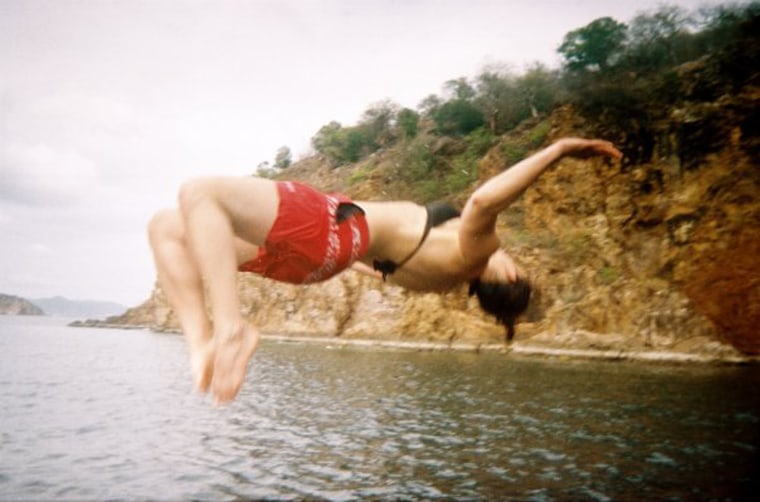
point(13, 305)
point(350, 305)
point(661, 256)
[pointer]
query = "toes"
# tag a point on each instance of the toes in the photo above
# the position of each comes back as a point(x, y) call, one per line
point(203, 376)
point(231, 364)
point(202, 363)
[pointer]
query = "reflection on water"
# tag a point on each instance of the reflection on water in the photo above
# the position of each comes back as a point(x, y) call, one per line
point(96, 414)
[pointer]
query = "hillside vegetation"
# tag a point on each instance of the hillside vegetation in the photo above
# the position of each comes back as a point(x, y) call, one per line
point(662, 74)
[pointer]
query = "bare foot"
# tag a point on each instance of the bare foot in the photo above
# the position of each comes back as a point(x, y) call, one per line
point(202, 365)
point(231, 362)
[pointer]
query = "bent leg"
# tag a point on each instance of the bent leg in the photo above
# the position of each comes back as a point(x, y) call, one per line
point(217, 213)
point(180, 280)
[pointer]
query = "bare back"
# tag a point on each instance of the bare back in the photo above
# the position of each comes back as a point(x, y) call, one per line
point(396, 229)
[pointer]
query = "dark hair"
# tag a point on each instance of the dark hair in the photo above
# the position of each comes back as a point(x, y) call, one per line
point(505, 300)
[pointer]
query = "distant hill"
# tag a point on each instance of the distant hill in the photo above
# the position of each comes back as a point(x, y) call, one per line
point(60, 306)
point(14, 305)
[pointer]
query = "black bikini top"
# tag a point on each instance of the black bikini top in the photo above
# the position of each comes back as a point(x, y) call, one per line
point(437, 213)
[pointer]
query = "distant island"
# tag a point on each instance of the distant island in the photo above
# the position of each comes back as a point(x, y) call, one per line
point(14, 305)
point(64, 307)
point(58, 306)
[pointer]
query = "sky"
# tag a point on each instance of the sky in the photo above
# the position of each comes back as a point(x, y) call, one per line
point(107, 106)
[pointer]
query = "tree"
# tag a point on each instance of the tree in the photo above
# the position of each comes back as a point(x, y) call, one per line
point(497, 99)
point(328, 140)
point(654, 37)
point(507, 100)
point(726, 25)
point(344, 144)
point(458, 117)
point(356, 143)
point(283, 158)
point(538, 88)
point(460, 89)
point(376, 124)
point(595, 46)
point(407, 123)
point(429, 105)
point(264, 170)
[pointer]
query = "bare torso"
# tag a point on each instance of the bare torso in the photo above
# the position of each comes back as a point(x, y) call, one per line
point(438, 265)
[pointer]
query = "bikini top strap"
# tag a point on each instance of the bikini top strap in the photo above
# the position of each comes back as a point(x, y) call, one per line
point(428, 226)
point(387, 267)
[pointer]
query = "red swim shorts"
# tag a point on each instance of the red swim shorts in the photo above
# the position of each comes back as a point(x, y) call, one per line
point(307, 243)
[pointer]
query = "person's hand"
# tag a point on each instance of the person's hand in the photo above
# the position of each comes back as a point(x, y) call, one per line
point(580, 148)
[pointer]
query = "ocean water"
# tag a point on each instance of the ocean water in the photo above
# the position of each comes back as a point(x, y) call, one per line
point(91, 414)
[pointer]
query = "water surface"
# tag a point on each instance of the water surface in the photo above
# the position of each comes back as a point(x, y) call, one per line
point(92, 414)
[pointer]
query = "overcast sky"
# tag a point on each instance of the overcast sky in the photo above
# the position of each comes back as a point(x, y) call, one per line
point(107, 106)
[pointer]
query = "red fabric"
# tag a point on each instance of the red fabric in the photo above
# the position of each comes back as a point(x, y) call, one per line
point(306, 243)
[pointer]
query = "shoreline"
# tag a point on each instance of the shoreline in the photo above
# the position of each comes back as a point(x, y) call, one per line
point(520, 349)
point(515, 348)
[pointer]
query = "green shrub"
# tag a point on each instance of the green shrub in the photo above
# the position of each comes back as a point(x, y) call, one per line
point(463, 170)
point(359, 175)
point(514, 151)
point(417, 161)
point(537, 135)
point(457, 117)
point(407, 122)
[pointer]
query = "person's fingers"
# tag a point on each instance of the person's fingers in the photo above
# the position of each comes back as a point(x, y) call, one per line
point(610, 150)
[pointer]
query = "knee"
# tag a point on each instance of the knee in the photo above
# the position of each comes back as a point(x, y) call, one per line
point(162, 225)
point(193, 192)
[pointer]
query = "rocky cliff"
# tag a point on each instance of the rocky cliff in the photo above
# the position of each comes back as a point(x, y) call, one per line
point(657, 256)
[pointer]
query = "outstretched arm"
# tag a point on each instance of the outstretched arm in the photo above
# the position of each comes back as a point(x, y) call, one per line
point(485, 204)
